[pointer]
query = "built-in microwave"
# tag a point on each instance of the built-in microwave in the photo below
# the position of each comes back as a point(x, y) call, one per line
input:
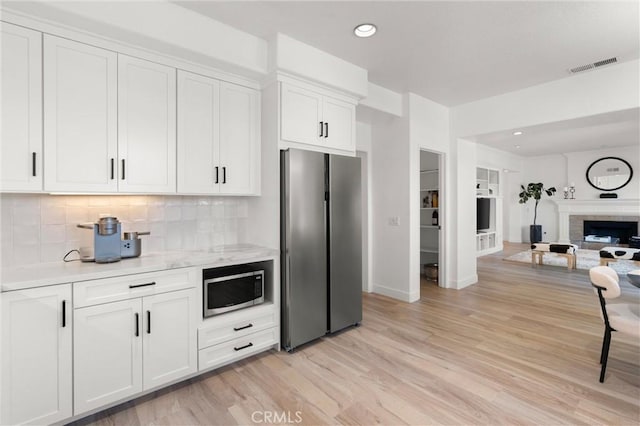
point(233, 287)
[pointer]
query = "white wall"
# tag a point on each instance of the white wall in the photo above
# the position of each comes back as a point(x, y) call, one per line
point(463, 176)
point(429, 130)
point(551, 171)
point(579, 162)
point(561, 170)
point(364, 151)
point(390, 199)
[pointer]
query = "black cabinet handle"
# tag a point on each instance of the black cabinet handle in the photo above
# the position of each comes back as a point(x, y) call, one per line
point(148, 322)
point(224, 175)
point(113, 168)
point(123, 169)
point(33, 164)
point(243, 347)
point(64, 313)
point(137, 324)
point(242, 328)
point(321, 129)
point(142, 285)
point(326, 130)
point(217, 180)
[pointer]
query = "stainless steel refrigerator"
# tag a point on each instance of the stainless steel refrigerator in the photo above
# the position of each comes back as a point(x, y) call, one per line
point(321, 245)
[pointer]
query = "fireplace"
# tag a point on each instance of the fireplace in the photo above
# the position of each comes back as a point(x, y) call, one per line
point(616, 230)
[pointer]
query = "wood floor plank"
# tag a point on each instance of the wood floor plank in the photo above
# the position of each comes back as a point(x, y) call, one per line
point(520, 347)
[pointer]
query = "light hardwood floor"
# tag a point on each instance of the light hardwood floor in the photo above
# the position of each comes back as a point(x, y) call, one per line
point(520, 347)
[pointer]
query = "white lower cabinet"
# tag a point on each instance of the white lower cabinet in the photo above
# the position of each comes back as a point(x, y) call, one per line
point(107, 353)
point(233, 336)
point(36, 355)
point(126, 347)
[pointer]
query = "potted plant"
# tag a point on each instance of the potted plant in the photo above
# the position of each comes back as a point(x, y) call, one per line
point(534, 190)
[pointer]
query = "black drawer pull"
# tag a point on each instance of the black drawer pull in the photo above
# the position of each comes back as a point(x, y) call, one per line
point(321, 129)
point(142, 285)
point(326, 130)
point(33, 164)
point(242, 328)
point(217, 180)
point(148, 322)
point(137, 316)
point(224, 175)
point(113, 168)
point(64, 313)
point(123, 169)
point(243, 347)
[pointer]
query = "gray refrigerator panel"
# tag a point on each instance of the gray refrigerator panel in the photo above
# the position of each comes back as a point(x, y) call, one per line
point(345, 241)
point(304, 247)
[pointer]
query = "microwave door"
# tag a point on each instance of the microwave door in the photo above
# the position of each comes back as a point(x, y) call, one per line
point(228, 293)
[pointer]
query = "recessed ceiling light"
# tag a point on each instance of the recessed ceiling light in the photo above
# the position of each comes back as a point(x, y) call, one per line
point(517, 133)
point(365, 30)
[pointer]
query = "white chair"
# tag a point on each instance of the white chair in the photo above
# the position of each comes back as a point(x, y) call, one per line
point(621, 317)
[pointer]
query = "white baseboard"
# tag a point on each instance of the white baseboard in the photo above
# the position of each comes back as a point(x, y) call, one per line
point(460, 284)
point(395, 293)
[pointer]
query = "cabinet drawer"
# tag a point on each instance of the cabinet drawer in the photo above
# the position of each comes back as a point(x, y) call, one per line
point(234, 325)
point(94, 292)
point(233, 350)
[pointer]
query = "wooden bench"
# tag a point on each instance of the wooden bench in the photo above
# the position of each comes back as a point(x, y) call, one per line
point(613, 254)
point(568, 251)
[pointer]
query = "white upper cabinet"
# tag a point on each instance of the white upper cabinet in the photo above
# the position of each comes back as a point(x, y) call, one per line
point(340, 127)
point(218, 137)
point(198, 133)
point(146, 126)
point(315, 118)
point(239, 139)
point(36, 355)
point(301, 111)
point(21, 138)
point(80, 140)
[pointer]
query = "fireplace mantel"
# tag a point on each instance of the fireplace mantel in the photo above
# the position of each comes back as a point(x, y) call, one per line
point(605, 206)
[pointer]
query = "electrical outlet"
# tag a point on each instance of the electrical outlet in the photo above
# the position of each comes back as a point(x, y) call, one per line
point(394, 221)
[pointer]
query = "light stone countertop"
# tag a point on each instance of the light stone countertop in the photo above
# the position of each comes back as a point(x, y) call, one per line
point(44, 274)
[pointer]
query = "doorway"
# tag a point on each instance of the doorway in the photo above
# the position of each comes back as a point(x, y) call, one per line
point(431, 215)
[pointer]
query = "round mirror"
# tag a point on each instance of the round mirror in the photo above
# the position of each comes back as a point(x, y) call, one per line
point(609, 173)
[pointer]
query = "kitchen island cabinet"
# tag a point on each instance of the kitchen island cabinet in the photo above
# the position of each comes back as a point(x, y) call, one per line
point(36, 355)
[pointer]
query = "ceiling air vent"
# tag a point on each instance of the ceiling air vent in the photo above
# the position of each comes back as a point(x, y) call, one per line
point(594, 65)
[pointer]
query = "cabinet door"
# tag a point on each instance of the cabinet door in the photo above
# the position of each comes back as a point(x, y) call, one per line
point(300, 115)
point(198, 134)
point(146, 126)
point(107, 353)
point(36, 355)
point(80, 107)
point(239, 139)
point(170, 341)
point(341, 119)
point(21, 134)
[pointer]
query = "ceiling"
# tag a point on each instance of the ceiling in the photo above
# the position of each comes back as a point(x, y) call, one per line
point(449, 52)
point(458, 52)
point(615, 129)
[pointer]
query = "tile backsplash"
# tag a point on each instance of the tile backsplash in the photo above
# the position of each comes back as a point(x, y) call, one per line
point(38, 228)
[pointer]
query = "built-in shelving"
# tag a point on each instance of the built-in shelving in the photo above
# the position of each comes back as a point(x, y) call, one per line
point(429, 206)
point(488, 186)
